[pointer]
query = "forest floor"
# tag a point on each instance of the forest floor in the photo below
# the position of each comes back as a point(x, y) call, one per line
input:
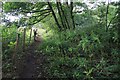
point(31, 64)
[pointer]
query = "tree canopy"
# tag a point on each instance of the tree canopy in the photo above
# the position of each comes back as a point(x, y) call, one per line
point(71, 39)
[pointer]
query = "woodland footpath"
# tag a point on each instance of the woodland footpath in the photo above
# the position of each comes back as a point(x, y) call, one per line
point(79, 40)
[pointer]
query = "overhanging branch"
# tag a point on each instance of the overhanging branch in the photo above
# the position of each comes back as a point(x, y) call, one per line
point(39, 20)
point(42, 14)
point(34, 11)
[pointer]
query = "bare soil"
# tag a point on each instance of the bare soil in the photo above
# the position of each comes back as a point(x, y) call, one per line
point(31, 65)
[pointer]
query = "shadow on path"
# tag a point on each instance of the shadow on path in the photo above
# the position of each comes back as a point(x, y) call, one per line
point(32, 66)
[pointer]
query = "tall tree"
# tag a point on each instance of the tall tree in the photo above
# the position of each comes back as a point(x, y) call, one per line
point(59, 12)
point(53, 13)
point(64, 16)
point(72, 17)
point(107, 10)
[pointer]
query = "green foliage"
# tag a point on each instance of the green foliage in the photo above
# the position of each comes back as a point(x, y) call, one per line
point(8, 37)
point(86, 52)
point(9, 6)
point(81, 51)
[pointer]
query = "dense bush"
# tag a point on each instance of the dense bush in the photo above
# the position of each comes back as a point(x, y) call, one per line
point(84, 53)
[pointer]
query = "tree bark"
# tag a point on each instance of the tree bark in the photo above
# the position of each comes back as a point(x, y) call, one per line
point(72, 17)
point(106, 27)
point(17, 42)
point(55, 18)
point(60, 15)
point(30, 35)
point(16, 48)
point(24, 34)
point(64, 16)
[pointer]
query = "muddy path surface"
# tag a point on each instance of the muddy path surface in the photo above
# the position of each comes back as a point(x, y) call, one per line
point(32, 63)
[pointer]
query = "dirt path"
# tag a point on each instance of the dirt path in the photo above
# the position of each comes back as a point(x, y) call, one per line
point(32, 66)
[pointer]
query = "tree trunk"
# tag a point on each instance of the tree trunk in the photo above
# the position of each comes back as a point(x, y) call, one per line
point(55, 18)
point(106, 27)
point(24, 33)
point(64, 16)
point(64, 26)
point(72, 17)
point(16, 48)
point(30, 35)
point(17, 41)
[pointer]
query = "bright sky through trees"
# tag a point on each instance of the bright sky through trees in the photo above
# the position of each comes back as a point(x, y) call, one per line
point(13, 18)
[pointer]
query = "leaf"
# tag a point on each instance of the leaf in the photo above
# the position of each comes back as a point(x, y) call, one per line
point(70, 49)
point(90, 71)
